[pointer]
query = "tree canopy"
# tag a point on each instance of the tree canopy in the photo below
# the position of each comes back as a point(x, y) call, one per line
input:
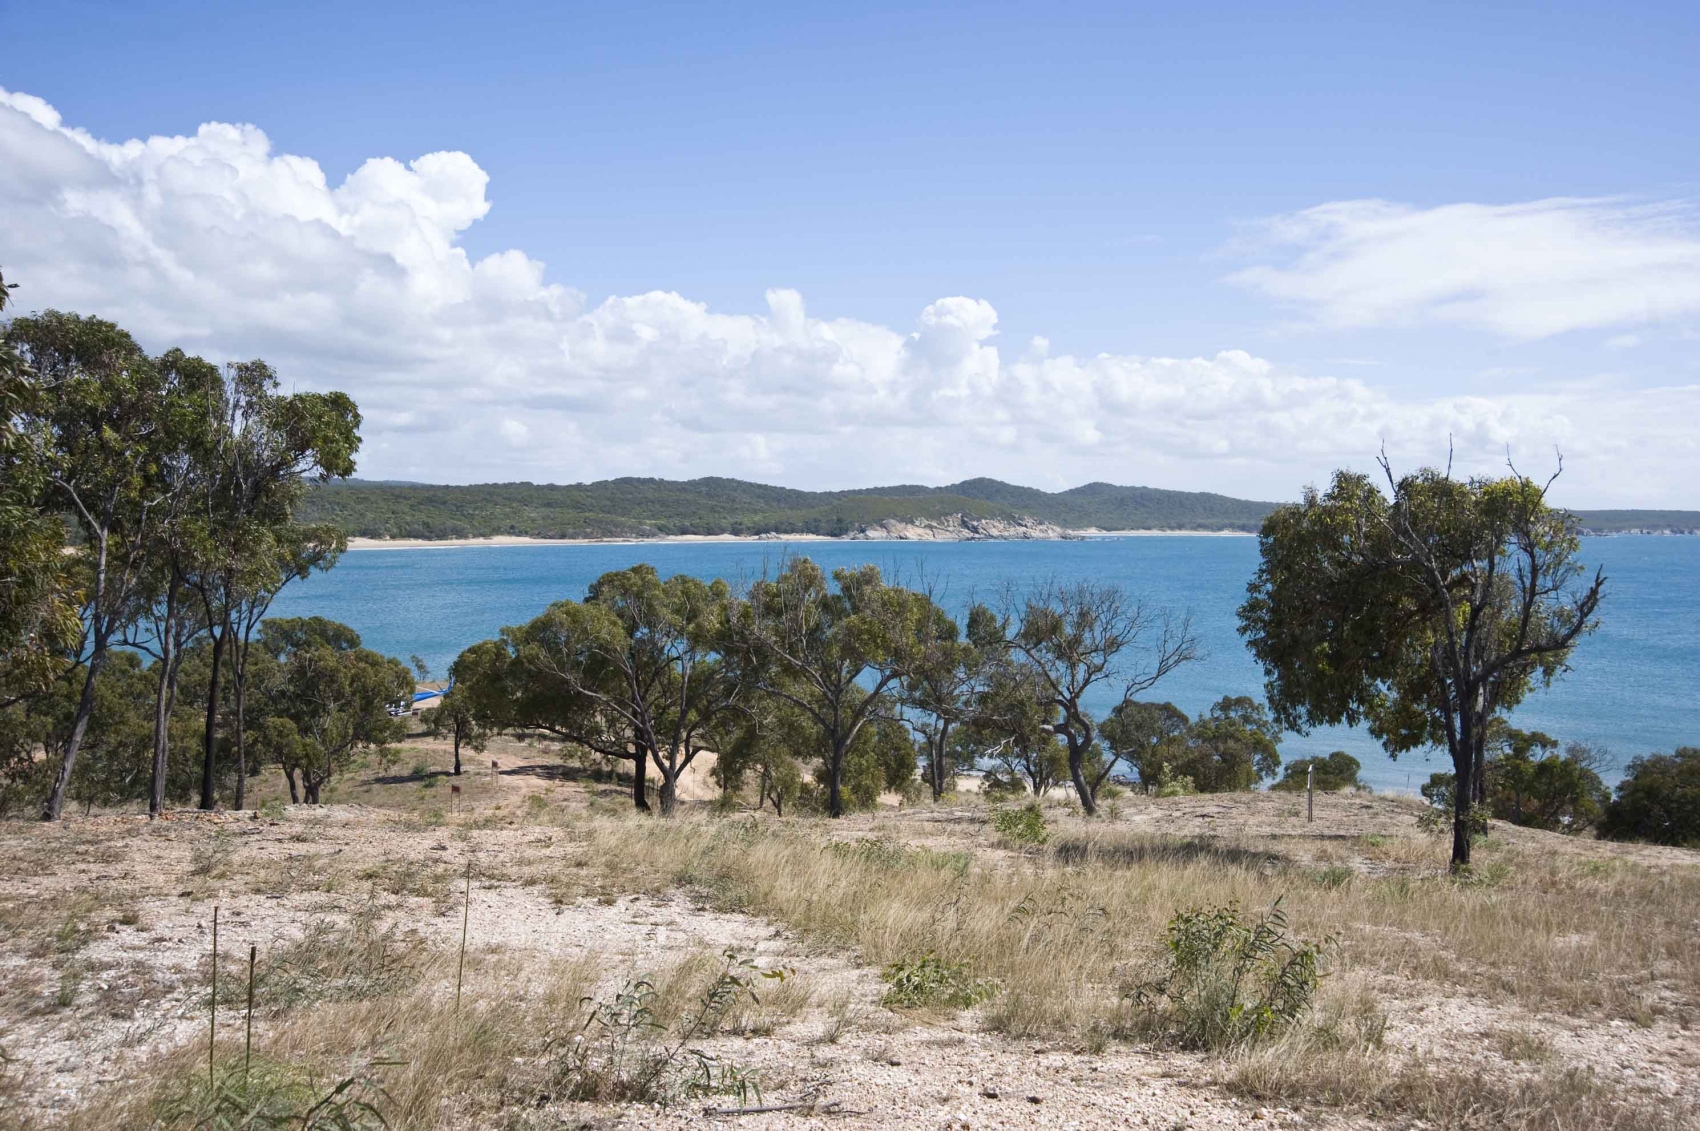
point(1424, 612)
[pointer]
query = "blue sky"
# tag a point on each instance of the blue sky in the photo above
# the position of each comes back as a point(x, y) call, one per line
point(1102, 176)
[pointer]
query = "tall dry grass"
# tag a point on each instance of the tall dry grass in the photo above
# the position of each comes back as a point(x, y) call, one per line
point(423, 1063)
point(1065, 930)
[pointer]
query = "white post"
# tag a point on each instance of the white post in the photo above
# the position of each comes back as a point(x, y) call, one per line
point(1310, 792)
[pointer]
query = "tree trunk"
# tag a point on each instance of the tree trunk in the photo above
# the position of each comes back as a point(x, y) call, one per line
point(457, 750)
point(55, 806)
point(1077, 771)
point(289, 776)
point(210, 748)
point(835, 781)
point(240, 677)
point(161, 729)
point(669, 789)
point(640, 784)
point(311, 789)
point(936, 754)
point(1463, 799)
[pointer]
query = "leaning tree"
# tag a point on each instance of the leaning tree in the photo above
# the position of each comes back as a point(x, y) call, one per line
point(1423, 612)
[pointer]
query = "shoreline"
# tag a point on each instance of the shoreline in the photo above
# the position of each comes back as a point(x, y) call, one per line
point(525, 540)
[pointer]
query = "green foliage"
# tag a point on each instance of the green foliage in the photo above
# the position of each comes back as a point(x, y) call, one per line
point(766, 749)
point(835, 650)
point(1231, 747)
point(1013, 726)
point(1228, 981)
point(1022, 827)
point(1658, 800)
point(1558, 792)
point(634, 671)
point(1337, 771)
point(1422, 615)
point(931, 981)
point(1147, 736)
point(882, 758)
point(323, 699)
point(1071, 641)
point(1441, 793)
point(1170, 784)
point(39, 601)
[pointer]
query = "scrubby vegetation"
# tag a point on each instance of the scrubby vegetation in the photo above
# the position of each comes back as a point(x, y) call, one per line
point(1658, 800)
point(1337, 771)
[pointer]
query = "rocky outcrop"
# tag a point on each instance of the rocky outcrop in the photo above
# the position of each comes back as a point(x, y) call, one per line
point(958, 528)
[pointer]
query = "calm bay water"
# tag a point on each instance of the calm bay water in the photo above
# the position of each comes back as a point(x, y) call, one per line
point(1635, 686)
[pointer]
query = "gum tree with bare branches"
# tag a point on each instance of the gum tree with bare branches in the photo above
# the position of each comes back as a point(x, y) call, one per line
point(1080, 639)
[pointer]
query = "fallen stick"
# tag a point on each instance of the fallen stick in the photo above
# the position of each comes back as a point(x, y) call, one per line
point(814, 1107)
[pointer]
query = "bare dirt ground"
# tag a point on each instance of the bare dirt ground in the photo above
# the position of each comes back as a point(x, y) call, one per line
point(107, 933)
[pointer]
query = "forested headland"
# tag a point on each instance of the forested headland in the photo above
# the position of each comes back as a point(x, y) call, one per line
point(659, 508)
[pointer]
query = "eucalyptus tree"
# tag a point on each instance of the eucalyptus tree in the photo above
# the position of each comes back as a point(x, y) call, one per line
point(455, 715)
point(168, 622)
point(942, 679)
point(1147, 736)
point(833, 651)
point(39, 597)
point(1424, 612)
point(633, 672)
point(326, 698)
point(292, 552)
point(1012, 723)
point(1231, 747)
point(98, 431)
point(767, 743)
point(1078, 640)
point(481, 700)
point(264, 449)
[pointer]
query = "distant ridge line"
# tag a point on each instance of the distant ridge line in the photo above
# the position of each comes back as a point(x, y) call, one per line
point(637, 507)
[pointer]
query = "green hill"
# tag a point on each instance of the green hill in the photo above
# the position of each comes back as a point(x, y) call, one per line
point(651, 508)
point(648, 508)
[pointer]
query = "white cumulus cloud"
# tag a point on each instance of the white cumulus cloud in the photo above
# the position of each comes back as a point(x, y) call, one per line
point(216, 243)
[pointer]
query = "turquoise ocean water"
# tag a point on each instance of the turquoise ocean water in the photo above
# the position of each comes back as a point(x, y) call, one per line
point(1634, 687)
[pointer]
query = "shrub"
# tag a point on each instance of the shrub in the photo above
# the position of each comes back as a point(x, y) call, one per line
point(1336, 772)
point(1658, 800)
point(930, 980)
point(1170, 784)
point(1440, 791)
point(1228, 981)
point(1558, 792)
point(1023, 826)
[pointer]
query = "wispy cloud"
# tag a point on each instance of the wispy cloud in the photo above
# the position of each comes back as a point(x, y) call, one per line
point(1522, 271)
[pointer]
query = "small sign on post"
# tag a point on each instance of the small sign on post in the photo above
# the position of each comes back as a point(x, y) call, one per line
point(1310, 792)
